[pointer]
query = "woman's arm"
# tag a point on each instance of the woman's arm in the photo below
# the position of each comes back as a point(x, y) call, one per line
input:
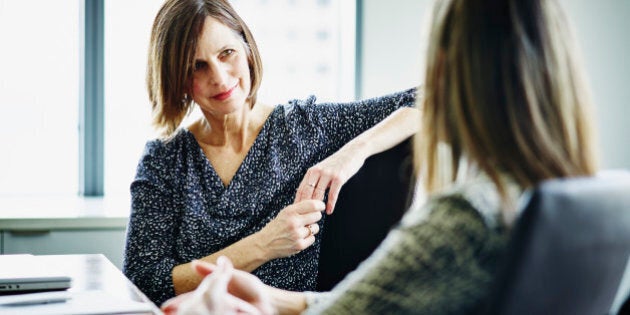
point(151, 259)
point(285, 235)
point(436, 264)
point(337, 169)
point(287, 302)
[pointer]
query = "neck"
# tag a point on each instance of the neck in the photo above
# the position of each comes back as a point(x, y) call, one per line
point(235, 130)
point(227, 129)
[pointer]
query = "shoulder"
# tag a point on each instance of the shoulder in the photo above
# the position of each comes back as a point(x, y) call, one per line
point(299, 107)
point(299, 115)
point(162, 161)
point(446, 211)
point(161, 146)
point(447, 226)
point(164, 152)
point(481, 193)
point(473, 205)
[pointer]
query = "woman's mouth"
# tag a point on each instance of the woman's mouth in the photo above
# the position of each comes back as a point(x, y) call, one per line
point(225, 95)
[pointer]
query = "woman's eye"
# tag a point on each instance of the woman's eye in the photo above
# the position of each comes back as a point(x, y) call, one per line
point(200, 65)
point(227, 52)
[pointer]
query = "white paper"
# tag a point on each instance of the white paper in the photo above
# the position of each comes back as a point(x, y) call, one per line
point(85, 303)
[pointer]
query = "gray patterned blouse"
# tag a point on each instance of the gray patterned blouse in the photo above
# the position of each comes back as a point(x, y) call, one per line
point(181, 210)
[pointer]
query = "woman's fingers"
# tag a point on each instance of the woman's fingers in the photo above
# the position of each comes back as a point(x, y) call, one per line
point(309, 218)
point(284, 235)
point(315, 184)
point(308, 236)
point(203, 268)
point(308, 206)
point(172, 304)
point(309, 230)
point(322, 185)
point(333, 194)
point(313, 229)
point(308, 185)
point(298, 193)
point(224, 290)
point(240, 306)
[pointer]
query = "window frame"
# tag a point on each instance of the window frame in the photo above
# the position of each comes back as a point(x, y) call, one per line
point(92, 99)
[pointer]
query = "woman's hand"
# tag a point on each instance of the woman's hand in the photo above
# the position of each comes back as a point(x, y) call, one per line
point(293, 230)
point(333, 172)
point(330, 174)
point(224, 290)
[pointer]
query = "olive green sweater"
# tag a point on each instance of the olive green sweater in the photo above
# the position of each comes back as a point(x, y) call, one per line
point(440, 259)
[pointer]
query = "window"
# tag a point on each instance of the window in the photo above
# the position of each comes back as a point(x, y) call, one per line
point(307, 47)
point(127, 108)
point(39, 97)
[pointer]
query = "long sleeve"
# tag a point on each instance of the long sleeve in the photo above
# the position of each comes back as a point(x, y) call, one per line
point(351, 119)
point(319, 129)
point(149, 252)
point(332, 125)
point(440, 264)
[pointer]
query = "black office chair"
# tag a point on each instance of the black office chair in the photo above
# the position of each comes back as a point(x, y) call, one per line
point(369, 205)
point(569, 251)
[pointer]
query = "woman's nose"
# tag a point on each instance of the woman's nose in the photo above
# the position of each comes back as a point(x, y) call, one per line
point(219, 74)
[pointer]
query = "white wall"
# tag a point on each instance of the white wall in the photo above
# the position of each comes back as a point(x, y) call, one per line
point(602, 30)
point(391, 45)
point(393, 37)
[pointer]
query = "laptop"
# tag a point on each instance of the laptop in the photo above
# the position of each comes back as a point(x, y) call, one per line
point(29, 273)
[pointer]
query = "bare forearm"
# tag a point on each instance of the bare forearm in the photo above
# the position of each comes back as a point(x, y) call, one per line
point(285, 235)
point(287, 302)
point(246, 254)
point(394, 129)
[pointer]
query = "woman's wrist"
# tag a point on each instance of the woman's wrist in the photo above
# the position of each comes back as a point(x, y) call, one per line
point(358, 147)
point(259, 250)
point(287, 302)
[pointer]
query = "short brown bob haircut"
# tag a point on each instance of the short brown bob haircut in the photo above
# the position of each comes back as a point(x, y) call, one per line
point(174, 37)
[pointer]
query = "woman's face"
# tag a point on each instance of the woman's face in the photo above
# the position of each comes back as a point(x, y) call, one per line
point(221, 79)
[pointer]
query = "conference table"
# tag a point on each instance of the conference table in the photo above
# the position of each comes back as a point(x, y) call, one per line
point(98, 287)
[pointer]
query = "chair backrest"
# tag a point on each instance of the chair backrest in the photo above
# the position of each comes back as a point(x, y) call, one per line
point(569, 250)
point(369, 205)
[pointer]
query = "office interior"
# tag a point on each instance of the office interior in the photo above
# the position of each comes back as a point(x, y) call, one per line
point(388, 58)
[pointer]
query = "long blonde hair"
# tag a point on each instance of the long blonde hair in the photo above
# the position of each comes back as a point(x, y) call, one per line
point(504, 91)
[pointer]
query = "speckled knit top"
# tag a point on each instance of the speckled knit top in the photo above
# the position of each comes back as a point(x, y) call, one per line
point(182, 211)
point(441, 259)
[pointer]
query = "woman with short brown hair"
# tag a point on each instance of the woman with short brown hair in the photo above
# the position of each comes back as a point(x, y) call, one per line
point(247, 179)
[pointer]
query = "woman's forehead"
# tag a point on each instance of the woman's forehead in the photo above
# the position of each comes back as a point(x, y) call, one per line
point(215, 35)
